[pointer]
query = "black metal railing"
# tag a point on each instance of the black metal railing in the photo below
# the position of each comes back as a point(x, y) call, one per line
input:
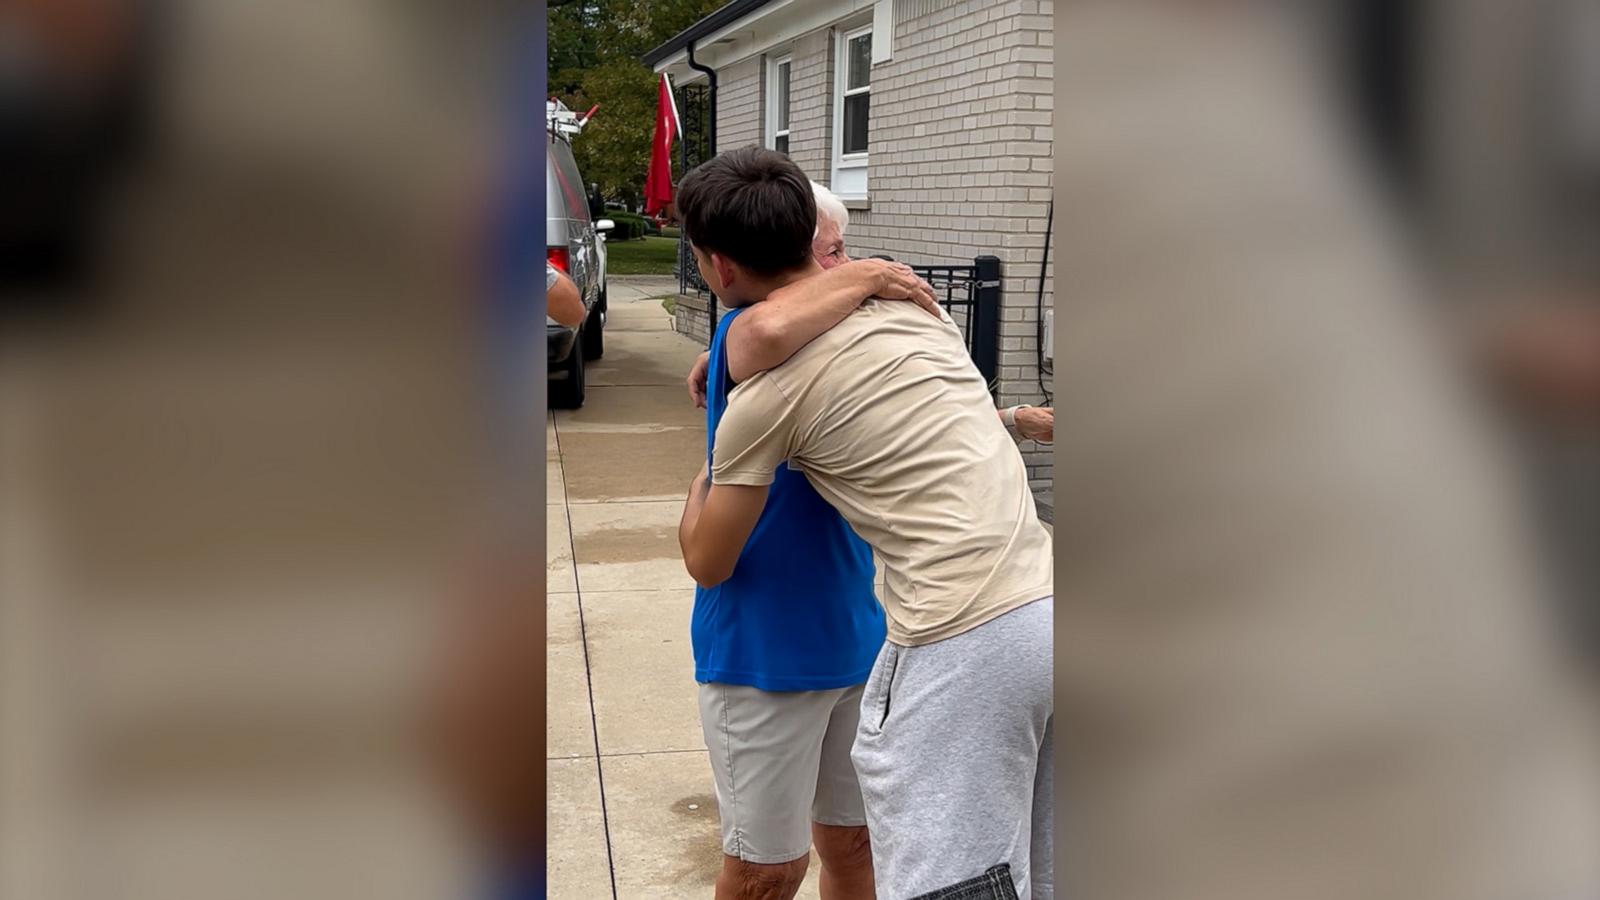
point(971, 295)
point(688, 271)
point(694, 105)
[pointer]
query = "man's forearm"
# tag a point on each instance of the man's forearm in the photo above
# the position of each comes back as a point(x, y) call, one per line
point(716, 523)
point(691, 511)
point(564, 304)
point(793, 316)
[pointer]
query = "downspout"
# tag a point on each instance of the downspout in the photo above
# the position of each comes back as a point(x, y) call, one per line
point(711, 80)
point(711, 151)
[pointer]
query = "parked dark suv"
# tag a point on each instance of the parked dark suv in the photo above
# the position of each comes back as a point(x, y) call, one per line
point(575, 244)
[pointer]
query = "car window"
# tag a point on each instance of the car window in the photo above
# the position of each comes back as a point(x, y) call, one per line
point(566, 172)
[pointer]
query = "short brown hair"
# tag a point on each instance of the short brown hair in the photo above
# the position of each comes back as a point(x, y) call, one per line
point(753, 206)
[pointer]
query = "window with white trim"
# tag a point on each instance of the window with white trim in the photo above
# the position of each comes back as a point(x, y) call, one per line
point(778, 103)
point(852, 96)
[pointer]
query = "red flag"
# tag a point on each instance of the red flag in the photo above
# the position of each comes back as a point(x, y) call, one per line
point(658, 183)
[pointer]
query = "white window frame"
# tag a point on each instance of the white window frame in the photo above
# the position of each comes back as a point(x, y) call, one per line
point(842, 161)
point(774, 63)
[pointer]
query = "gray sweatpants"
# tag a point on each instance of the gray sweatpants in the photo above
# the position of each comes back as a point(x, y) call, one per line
point(953, 755)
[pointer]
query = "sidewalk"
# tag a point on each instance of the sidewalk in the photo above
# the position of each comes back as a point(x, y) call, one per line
point(632, 812)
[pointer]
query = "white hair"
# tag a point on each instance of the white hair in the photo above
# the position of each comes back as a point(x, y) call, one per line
point(829, 204)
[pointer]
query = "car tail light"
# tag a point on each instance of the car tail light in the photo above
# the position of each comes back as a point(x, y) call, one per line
point(560, 259)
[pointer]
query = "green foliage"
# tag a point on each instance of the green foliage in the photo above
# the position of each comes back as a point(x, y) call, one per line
point(630, 226)
point(651, 256)
point(595, 48)
point(614, 148)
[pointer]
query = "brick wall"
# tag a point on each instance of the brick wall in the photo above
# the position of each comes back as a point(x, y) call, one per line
point(690, 317)
point(961, 153)
point(811, 104)
point(739, 104)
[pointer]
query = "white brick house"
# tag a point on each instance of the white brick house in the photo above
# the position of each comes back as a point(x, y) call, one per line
point(931, 118)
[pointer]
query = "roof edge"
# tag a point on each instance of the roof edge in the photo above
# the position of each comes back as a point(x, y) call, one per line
point(724, 16)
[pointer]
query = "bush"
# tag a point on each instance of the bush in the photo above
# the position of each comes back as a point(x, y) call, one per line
point(631, 226)
point(625, 230)
point(649, 225)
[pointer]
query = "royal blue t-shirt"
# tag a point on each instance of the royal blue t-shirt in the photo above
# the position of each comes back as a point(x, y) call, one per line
point(798, 613)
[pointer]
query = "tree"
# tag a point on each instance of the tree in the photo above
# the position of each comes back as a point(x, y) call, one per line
point(614, 149)
point(595, 50)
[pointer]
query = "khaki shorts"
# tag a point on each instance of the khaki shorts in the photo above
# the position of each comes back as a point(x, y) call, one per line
point(781, 761)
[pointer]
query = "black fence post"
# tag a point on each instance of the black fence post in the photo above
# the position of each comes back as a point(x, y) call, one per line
point(985, 323)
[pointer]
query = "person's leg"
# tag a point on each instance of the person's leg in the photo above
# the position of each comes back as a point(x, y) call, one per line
point(846, 854)
point(764, 751)
point(742, 880)
point(948, 754)
point(839, 819)
point(1042, 854)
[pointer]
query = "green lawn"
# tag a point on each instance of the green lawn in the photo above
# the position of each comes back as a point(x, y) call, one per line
point(651, 256)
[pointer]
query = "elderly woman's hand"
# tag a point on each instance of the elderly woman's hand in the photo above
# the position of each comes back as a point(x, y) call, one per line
point(896, 281)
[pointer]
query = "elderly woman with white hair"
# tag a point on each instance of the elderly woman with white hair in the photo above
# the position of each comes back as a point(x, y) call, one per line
point(827, 247)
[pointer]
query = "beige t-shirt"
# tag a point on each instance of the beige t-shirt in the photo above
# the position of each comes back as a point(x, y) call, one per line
point(891, 422)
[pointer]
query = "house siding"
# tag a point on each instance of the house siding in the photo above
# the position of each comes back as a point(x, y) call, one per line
point(811, 104)
point(739, 105)
point(961, 146)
